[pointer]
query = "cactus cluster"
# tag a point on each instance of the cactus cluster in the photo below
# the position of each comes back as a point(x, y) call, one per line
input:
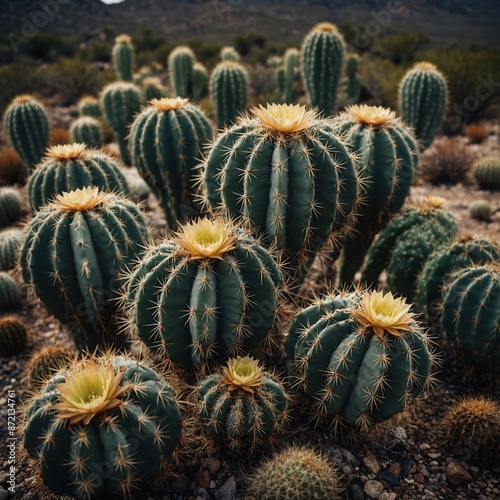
point(10, 240)
point(487, 173)
point(13, 336)
point(87, 130)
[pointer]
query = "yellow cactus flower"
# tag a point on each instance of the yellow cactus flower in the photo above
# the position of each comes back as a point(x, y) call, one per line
point(287, 118)
point(168, 103)
point(66, 151)
point(243, 373)
point(80, 199)
point(371, 115)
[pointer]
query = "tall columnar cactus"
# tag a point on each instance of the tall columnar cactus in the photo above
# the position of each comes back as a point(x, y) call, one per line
point(406, 243)
point(290, 60)
point(123, 57)
point(104, 428)
point(10, 241)
point(121, 103)
point(180, 66)
point(10, 206)
point(200, 81)
point(228, 91)
point(166, 142)
point(74, 255)
point(388, 157)
point(353, 83)
point(487, 173)
point(229, 54)
point(70, 167)
point(322, 63)
point(207, 294)
point(242, 407)
point(89, 106)
point(462, 253)
point(471, 316)
point(9, 292)
point(87, 130)
point(279, 77)
point(288, 176)
point(361, 356)
point(153, 89)
point(13, 336)
point(422, 100)
point(28, 128)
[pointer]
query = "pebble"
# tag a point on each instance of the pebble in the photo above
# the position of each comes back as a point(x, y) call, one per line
point(456, 474)
point(389, 478)
point(407, 466)
point(387, 496)
point(356, 492)
point(395, 468)
point(201, 494)
point(203, 478)
point(180, 484)
point(228, 490)
point(373, 488)
point(371, 463)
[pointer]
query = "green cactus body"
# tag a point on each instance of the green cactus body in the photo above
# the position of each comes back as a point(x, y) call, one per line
point(487, 173)
point(200, 81)
point(405, 244)
point(10, 241)
point(480, 210)
point(121, 103)
point(139, 189)
point(229, 54)
point(471, 316)
point(358, 373)
point(10, 206)
point(70, 167)
point(241, 419)
point(166, 142)
point(387, 159)
point(9, 292)
point(87, 130)
point(279, 77)
point(28, 128)
point(322, 61)
point(293, 180)
point(89, 106)
point(134, 436)
point(123, 57)
point(46, 362)
point(422, 100)
point(74, 255)
point(291, 60)
point(353, 83)
point(180, 65)
point(13, 336)
point(153, 89)
point(460, 254)
point(229, 299)
point(228, 91)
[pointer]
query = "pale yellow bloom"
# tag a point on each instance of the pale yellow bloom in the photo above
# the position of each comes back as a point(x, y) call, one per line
point(80, 199)
point(371, 115)
point(243, 373)
point(286, 118)
point(66, 151)
point(168, 103)
point(123, 39)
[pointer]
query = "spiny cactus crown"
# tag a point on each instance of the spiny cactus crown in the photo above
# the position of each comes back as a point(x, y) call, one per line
point(66, 151)
point(169, 103)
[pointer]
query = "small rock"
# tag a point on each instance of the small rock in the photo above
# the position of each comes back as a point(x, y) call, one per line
point(356, 492)
point(395, 468)
point(373, 488)
point(389, 478)
point(424, 447)
point(481, 484)
point(371, 463)
point(203, 477)
point(387, 496)
point(419, 478)
point(341, 456)
point(434, 455)
point(201, 494)
point(228, 490)
point(407, 466)
point(456, 474)
point(212, 465)
point(180, 484)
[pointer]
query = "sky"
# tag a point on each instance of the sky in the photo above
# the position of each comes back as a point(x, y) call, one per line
point(111, 1)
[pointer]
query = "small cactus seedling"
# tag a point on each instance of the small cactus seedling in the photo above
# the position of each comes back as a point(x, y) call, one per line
point(180, 66)
point(296, 473)
point(10, 241)
point(474, 423)
point(109, 410)
point(13, 336)
point(487, 173)
point(361, 356)
point(242, 407)
point(87, 130)
point(10, 206)
point(28, 128)
point(480, 210)
point(45, 362)
point(209, 293)
point(123, 57)
point(10, 294)
point(89, 106)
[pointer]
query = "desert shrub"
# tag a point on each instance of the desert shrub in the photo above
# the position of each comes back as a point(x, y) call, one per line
point(476, 132)
point(12, 168)
point(162, 52)
point(49, 47)
point(401, 48)
point(262, 84)
point(447, 161)
point(98, 51)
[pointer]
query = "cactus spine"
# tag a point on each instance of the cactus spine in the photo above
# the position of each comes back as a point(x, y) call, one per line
point(70, 167)
point(353, 83)
point(322, 62)
point(290, 60)
point(288, 176)
point(89, 106)
point(422, 100)
point(225, 281)
point(112, 411)
point(121, 102)
point(28, 128)
point(10, 241)
point(123, 57)
point(200, 81)
point(166, 142)
point(9, 292)
point(13, 336)
point(228, 91)
point(74, 255)
point(487, 173)
point(87, 130)
point(180, 65)
point(387, 154)
point(10, 206)
point(361, 356)
point(242, 407)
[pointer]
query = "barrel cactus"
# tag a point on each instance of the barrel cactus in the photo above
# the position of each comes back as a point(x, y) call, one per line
point(362, 357)
point(480, 210)
point(153, 89)
point(166, 142)
point(45, 362)
point(290, 61)
point(322, 63)
point(123, 57)
point(388, 156)
point(87, 130)
point(28, 128)
point(9, 292)
point(180, 66)
point(121, 102)
point(471, 316)
point(10, 206)
point(229, 54)
point(13, 336)
point(70, 167)
point(422, 100)
point(288, 176)
point(228, 91)
point(110, 411)
point(406, 243)
point(10, 240)
point(221, 280)
point(200, 81)
point(487, 173)
point(242, 407)
point(89, 106)
point(74, 255)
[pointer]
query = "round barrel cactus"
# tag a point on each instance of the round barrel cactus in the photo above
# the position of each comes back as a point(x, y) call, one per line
point(45, 362)
point(362, 357)
point(123, 57)
point(89, 106)
point(9, 292)
point(487, 173)
point(74, 255)
point(242, 407)
point(288, 176)
point(13, 336)
point(103, 428)
point(229, 54)
point(72, 166)
point(153, 89)
point(87, 130)
point(209, 293)
point(166, 142)
point(10, 206)
point(10, 241)
point(480, 210)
